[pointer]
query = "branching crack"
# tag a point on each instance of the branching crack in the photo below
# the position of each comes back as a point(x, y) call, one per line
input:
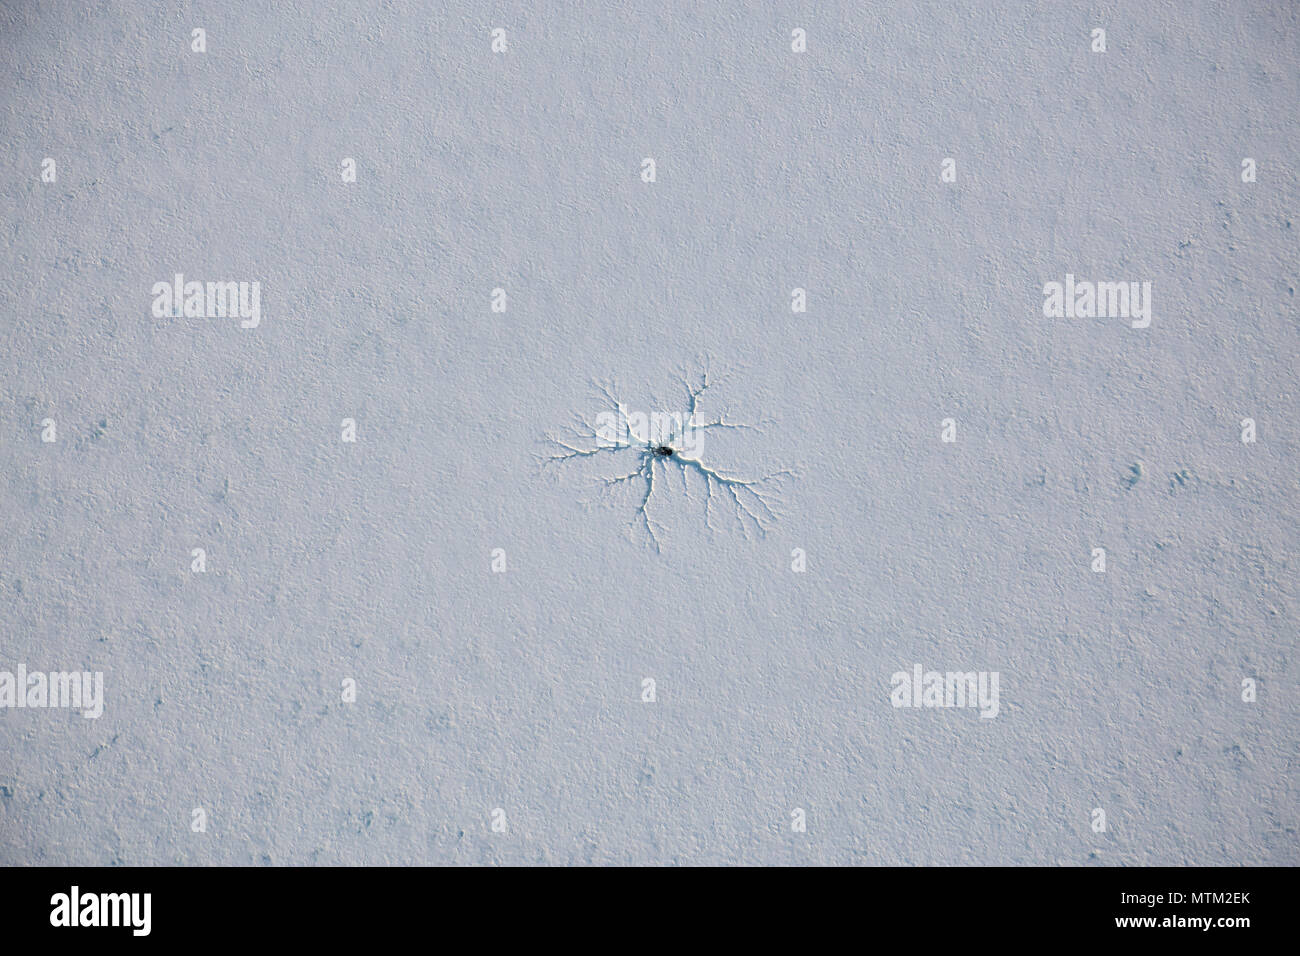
point(651, 446)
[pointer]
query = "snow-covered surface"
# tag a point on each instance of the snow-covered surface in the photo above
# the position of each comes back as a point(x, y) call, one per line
point(522, 690)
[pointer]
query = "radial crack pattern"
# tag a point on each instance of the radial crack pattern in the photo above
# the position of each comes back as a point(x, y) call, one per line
point(647, 447)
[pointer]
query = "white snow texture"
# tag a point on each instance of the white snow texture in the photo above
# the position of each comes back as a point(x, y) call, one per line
point(500, 616)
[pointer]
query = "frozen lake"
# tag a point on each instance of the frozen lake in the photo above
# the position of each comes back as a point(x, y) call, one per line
point(455, 246)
